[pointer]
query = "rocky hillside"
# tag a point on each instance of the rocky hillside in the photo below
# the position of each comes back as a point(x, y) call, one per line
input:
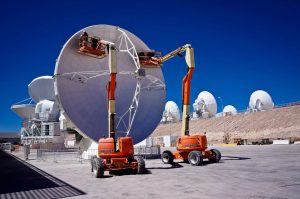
point(281, 123)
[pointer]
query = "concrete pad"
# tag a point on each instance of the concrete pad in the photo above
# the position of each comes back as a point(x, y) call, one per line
point(268, 171)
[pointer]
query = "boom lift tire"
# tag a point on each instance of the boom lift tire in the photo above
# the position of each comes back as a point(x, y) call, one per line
point(216, 156)
point(167, 157)
point(98, 167)
point(195, 158)
point(141, 164)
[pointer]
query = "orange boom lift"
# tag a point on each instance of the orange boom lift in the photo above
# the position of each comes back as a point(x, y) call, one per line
point(190, 148)
point(112, 154)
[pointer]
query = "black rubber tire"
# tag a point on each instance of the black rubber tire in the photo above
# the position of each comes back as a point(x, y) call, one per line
point(195, 158)
point(216, 156)
point(167, 157)
point(98, 167)
point(141, 164)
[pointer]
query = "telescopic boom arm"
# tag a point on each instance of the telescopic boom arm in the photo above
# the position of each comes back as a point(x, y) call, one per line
point(174, 53)
point(186, 82)
point(111, 88)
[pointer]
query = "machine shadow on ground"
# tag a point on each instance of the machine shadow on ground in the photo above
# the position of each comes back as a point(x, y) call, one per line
point(205, 162)
point(234, 158)
point(224, 159)
point(20, 179)
point(147, 171)
point(125, 172)
point(175, 165)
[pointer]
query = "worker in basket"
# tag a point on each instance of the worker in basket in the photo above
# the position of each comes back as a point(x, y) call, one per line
point(94, 43)
point(84, 39)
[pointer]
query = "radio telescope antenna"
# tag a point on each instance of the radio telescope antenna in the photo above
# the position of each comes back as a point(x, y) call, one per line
point(74, 100)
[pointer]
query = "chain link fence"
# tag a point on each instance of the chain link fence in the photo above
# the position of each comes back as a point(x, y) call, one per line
point(59, 155)
point(78, 155)
point(148, 152)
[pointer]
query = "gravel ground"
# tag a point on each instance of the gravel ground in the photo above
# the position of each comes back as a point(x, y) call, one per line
point(271, 171)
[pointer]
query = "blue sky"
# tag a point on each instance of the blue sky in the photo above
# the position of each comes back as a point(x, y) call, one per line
point(240, 46)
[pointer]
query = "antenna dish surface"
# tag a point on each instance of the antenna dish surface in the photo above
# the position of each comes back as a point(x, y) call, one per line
point(206, 102)
point(42, 88)
point(25, 111)
point(261, 100)
point(172, 111)
point(80, 87)
point(230, 109)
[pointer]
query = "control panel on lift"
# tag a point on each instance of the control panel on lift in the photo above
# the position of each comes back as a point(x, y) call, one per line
point(150, 59)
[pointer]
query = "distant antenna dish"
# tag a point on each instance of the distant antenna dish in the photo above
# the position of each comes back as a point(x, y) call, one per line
point(42, 88)
point(205, 105)
point(25, 111)
point(47, 110)
point(80, 87)
point(229, 110)
point(171, 112)
point(260, 101)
